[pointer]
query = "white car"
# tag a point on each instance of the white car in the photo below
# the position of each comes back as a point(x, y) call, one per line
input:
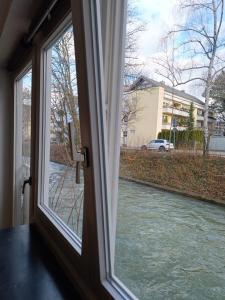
point(160, 145)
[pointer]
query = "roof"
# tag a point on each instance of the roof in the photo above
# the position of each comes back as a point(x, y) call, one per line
point(144, 83)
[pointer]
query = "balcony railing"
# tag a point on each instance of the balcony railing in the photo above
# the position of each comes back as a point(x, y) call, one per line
point(200, 118)
point(168, 126)
point(175, 111)
point(176, 107)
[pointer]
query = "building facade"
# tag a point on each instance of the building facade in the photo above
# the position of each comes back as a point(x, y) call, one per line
point(159, 107)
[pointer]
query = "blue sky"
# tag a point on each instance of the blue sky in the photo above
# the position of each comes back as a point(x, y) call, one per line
point(160, 16)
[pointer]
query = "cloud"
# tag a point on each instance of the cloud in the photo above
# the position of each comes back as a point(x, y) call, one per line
point(160, 16)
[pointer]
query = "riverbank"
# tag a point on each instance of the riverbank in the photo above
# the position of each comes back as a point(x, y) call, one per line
point(188, 174)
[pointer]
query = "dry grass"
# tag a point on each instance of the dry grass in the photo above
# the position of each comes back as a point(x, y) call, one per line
point(189, 173)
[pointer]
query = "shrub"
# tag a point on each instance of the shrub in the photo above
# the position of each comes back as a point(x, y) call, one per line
point(182, 137)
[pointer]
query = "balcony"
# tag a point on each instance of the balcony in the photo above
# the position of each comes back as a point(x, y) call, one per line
point(175, 111)
point(200, 117)
point(167, 126)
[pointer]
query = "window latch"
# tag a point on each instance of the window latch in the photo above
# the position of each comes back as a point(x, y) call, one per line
point(81, 158)
point(27, 181)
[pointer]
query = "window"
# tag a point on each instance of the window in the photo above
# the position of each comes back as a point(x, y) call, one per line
point(125, 119)
point(130, 243)
point(62, 169)
point(22, 146)
point(165, 119)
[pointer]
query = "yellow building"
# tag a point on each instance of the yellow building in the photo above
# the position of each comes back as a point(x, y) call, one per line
point(157, 105)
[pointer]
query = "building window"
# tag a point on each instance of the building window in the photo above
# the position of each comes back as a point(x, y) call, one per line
point(125, 119)
point(200, 112)
point(199, 124)
point(165, 119)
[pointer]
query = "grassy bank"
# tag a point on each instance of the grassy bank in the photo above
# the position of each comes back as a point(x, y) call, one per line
point(187, 173)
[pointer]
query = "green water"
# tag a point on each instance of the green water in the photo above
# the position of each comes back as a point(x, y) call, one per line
point(169, 246)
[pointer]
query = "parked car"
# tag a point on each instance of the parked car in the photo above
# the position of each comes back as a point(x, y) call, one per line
point(160, 145)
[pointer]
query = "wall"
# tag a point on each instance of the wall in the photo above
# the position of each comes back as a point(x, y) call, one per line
point(217, 143)
point(148, 119)
point(6, 149)
point(195, 115)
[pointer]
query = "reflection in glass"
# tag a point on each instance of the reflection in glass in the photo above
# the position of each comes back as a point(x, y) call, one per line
point(26, 124)
point(66, 182)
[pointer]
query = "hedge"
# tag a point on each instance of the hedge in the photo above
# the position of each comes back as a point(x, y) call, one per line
point(182, 136)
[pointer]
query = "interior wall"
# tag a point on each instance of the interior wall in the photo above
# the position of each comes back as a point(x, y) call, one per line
point(6, 149)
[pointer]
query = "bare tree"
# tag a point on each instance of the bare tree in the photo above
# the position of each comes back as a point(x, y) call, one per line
point(65, 196)
point(131, 106)
point(64, 99)
point(26, 123)
point(132, 66)
point(199, 49)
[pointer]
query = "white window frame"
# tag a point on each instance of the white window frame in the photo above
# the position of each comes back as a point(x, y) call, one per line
point(44, 150)
point(107, 34)
point(105, 61)
point(113, 23)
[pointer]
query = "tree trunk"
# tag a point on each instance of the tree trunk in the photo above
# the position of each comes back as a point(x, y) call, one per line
point(206, 114)
point(206, 109)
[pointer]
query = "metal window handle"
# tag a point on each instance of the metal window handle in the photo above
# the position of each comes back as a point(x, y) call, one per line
point(81, 158)
point(27, 181)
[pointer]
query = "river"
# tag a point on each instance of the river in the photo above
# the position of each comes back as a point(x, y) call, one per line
point(169, 246)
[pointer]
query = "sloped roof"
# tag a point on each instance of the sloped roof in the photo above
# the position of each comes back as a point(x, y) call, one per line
point(144, 82)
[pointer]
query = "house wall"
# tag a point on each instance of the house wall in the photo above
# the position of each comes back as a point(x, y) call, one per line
point(6, 149)
point(149, 117)
point(148, 121)
point(195, 115)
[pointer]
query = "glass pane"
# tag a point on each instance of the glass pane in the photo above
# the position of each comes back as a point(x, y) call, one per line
point(169, 243)
point(23, 147)
point(66, 181)
point(26, 124)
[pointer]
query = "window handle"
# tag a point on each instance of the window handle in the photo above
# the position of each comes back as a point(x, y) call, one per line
point(81, 158)
point(27, 181)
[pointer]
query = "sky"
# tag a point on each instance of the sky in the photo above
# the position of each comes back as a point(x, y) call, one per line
point(159, 16)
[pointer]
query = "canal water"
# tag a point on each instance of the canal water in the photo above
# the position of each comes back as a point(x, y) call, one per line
point(169, 246)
